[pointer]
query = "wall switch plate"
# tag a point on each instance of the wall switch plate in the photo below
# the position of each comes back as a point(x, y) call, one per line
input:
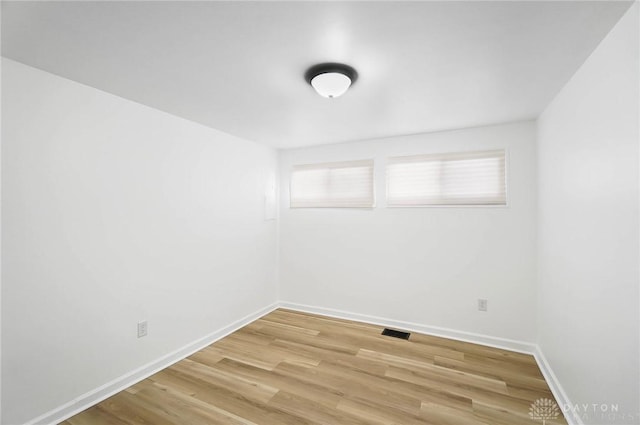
point(142, 329)
point(482, 304)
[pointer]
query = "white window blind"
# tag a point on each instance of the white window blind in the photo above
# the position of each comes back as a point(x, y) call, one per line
point(467, 178)
point(337, 184)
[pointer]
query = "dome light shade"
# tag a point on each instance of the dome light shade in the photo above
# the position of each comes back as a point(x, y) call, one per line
point(331, 84)
point(331, 79)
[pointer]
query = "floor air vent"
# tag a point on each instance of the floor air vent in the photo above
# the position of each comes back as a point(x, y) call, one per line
point(396, 334)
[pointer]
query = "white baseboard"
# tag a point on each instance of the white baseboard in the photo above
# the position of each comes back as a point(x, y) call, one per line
point(491, 341)
point(487, 340)
point(558, 392)
point(105, 391)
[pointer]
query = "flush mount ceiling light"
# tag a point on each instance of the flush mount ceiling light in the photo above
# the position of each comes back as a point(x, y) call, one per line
point(331, 79)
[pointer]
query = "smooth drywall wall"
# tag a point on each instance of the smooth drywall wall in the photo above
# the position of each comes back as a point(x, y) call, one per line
point(588, 231)
point(114, 213)
point(427, 266)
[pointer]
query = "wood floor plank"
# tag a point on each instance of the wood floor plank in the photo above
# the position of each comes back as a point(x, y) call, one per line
point(444, 415)
point(284, 381)
point(229, 401)
point(373, 413)
point(313, 410)
point(293, 368)
point(182, 408)
point(95, 415)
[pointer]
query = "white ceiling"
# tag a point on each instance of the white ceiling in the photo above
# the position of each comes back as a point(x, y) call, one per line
point(239, 66)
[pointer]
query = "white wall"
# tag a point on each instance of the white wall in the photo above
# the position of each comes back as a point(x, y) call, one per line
point(588, 229)
point(114, 212)
point(422, 265)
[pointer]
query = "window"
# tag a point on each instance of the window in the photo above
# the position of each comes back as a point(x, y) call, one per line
point(337, 184)
point(467, 178)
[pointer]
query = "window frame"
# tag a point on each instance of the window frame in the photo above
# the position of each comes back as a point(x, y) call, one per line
point(460, 154)
point(370, 162)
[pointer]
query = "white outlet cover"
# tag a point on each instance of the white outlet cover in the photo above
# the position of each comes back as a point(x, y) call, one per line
point(142, 329)
point(482, 305)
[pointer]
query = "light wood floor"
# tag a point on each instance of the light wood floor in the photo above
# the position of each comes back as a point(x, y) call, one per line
point(295, 368)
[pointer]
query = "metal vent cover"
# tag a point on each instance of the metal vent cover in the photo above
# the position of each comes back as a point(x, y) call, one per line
point(396, 334)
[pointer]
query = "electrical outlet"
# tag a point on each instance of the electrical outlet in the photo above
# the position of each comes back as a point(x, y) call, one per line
point(142, 329)
point(482, 304)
